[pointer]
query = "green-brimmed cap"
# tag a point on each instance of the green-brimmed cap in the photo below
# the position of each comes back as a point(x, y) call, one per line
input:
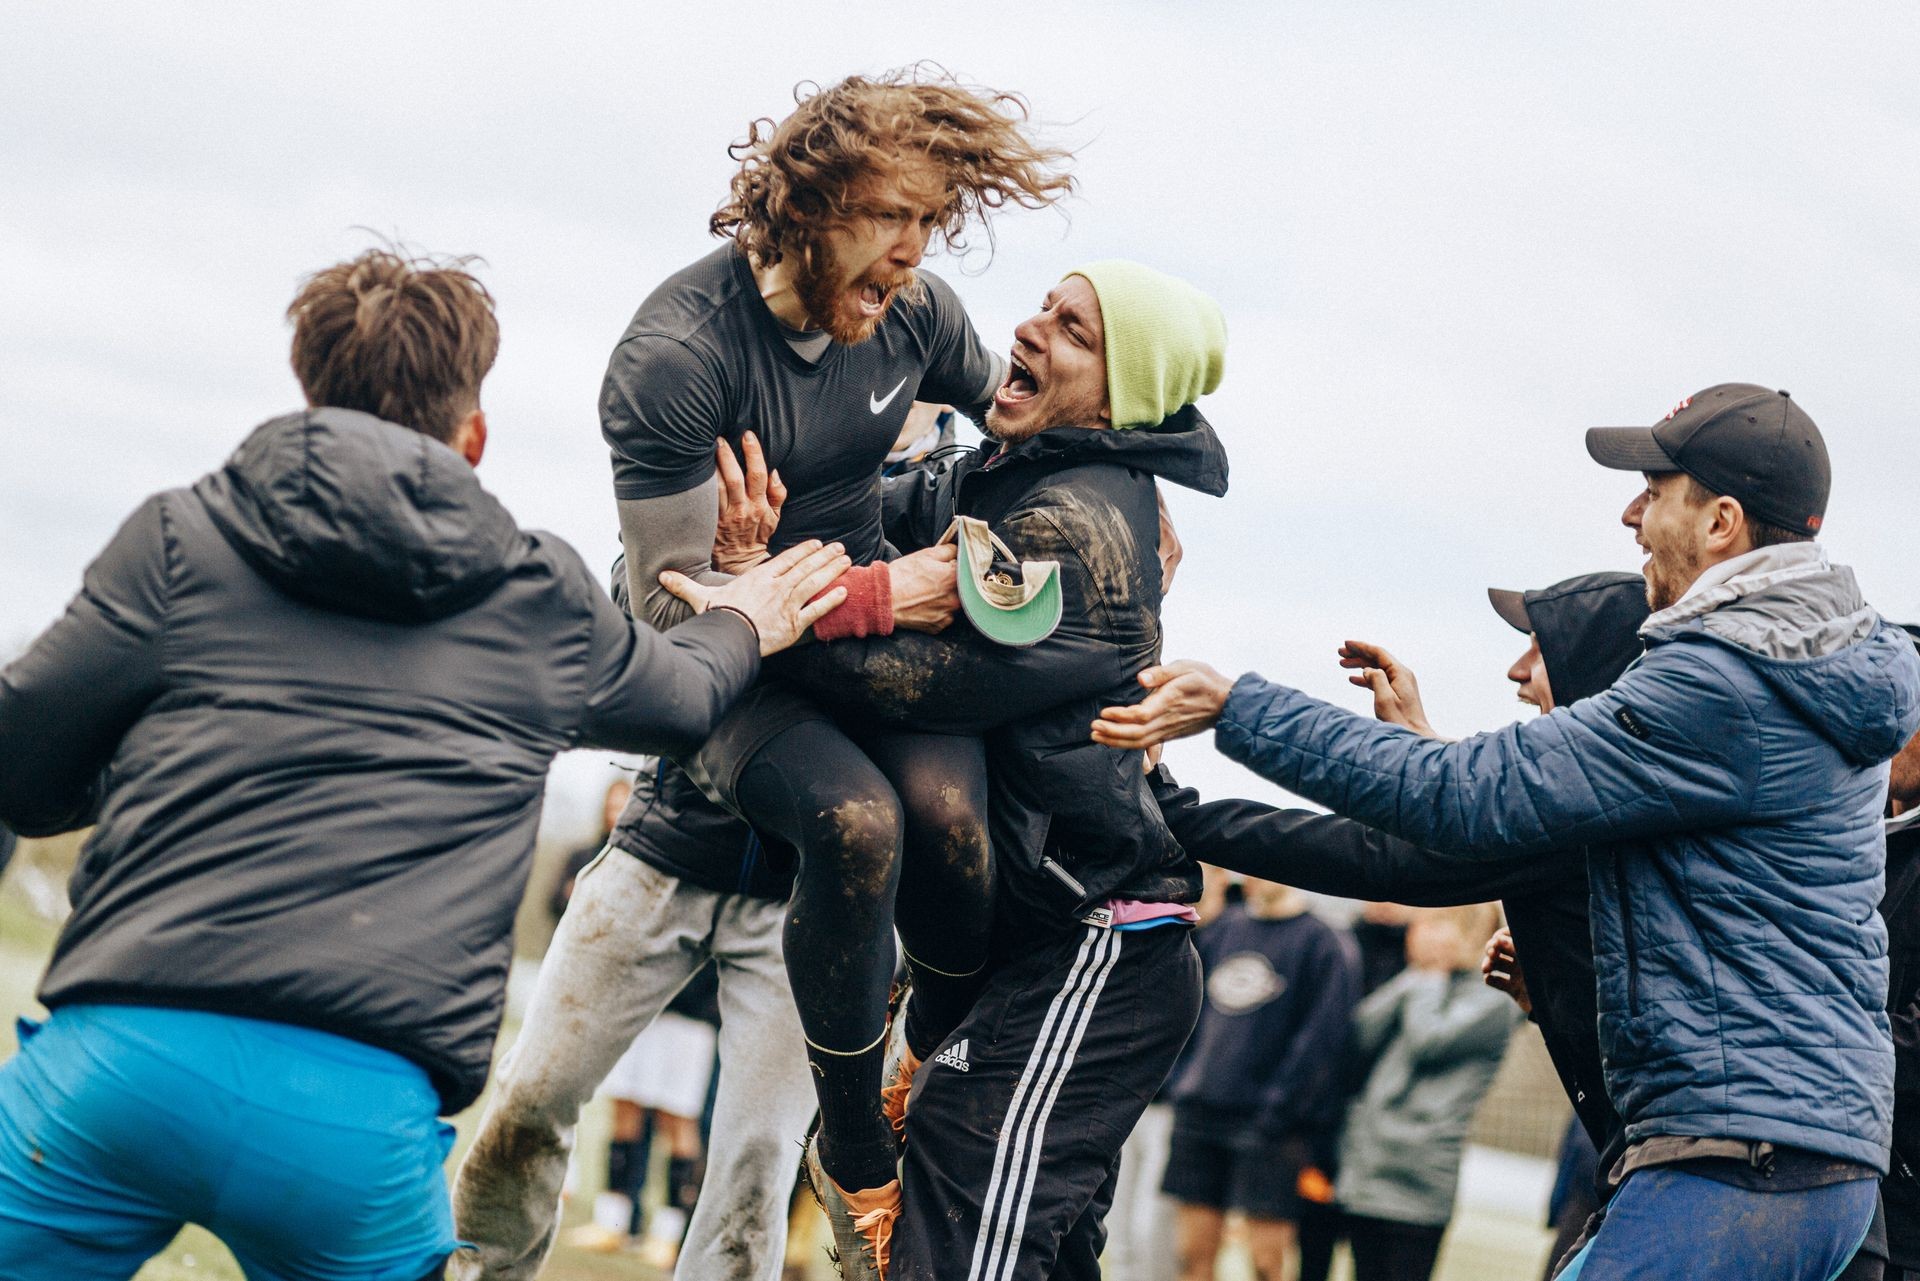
point(1013, 613)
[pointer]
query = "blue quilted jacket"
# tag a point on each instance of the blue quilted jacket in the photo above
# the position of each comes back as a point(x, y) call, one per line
point(1731, 784)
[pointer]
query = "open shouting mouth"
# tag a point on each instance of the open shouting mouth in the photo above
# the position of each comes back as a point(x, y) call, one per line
point(1020, 385)
point(874, 299)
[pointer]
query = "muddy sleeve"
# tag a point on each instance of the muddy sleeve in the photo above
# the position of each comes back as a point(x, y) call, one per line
point(67, 702)
point(958, 682)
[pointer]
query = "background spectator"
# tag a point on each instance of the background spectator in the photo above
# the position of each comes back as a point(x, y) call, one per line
point(1435, 1036)
point(576, 861)
point(1258, 1077)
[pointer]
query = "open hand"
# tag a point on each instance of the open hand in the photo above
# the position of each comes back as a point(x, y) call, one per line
point(1187, 698)
point(1396, 694)
point(926, 588)
point(775, 595)
point(750, 502)
point(1500, 967)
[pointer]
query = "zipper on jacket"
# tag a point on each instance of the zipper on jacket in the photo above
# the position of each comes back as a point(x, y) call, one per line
point(1626, 937)
point(1063, 876)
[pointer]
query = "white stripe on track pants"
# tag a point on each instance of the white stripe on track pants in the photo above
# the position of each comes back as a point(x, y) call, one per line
point(1011, 1162)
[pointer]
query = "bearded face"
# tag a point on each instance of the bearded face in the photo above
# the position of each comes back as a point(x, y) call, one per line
point(849, 299)
point(1667, 520)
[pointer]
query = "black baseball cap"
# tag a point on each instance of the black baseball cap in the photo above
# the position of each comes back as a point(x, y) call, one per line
point(1738, 439)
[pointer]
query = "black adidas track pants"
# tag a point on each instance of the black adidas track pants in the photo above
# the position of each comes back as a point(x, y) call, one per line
point(1015, 1124)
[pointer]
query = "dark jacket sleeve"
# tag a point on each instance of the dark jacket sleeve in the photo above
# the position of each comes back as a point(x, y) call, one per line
point(1327, 854)
point(1298, 1090)
point(1665, 749)
point(917, 506)
point(958, 682)
point(661, 693)
point(67, 702)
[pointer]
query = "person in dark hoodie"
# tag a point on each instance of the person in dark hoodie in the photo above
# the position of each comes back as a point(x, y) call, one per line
point(1255, 1085)
point(308, 704)
point(1728, 785)
point(1015, 1121)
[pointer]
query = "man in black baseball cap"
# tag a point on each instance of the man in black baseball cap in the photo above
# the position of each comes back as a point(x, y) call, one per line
point(1733, 463)
point(1725, 789)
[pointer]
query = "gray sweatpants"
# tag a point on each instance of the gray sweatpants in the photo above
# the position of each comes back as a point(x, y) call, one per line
point(630, 939)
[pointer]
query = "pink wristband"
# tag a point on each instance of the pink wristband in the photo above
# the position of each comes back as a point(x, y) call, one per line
point(868, 608)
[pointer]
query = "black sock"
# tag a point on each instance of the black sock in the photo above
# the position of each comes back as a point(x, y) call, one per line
point(938, 1005)
point(683, 1182)
point(857, 1146)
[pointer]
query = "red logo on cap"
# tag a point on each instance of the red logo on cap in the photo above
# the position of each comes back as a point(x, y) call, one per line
point(1677, 408)
point(1813, 523)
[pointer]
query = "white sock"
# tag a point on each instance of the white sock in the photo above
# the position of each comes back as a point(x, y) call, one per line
point(612, 1211)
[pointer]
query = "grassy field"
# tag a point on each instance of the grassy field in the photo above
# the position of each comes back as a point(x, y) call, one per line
point(1495, 1236)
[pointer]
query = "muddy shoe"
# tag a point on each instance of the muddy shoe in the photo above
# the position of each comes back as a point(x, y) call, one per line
point(862, 1222)
point(896, 1078)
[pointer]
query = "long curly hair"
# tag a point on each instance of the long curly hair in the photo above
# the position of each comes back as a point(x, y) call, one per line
point(812, 168)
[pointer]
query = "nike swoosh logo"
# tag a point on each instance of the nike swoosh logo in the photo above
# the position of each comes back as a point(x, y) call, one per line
point(878, 403)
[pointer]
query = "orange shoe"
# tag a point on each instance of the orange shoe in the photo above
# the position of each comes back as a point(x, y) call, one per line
point(896, 1078)
point(862, 1222)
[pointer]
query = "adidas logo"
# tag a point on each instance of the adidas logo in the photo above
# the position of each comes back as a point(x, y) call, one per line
point(955, 1058)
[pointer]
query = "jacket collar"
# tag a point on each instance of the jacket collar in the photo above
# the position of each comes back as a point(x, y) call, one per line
point(1183, 450)
point(1744, 575)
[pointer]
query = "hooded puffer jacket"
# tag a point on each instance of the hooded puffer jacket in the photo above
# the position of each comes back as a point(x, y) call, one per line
point(1731, 783)
point(1073, 823)
point(310, 704)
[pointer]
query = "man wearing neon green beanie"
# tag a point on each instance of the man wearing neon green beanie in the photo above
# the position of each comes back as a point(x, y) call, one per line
point(1017, 1114)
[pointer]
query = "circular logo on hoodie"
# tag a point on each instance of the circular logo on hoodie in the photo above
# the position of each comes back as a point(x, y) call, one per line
point(1244, 981)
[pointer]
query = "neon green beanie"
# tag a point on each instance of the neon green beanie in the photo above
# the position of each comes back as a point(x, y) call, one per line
point(1166, 341)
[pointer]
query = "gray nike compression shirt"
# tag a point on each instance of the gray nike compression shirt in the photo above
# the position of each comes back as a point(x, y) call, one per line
point(704, 359)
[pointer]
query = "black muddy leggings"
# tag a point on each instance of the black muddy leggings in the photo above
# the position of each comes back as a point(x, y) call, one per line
point(891, 833)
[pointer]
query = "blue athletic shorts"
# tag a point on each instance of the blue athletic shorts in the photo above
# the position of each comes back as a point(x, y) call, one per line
point(1665, 1223)
point(310, 1155)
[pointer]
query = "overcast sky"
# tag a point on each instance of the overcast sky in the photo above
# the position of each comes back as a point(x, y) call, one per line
point(1447, 238)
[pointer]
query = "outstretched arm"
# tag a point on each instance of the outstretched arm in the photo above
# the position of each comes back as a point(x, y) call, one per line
point(663, 692)
point(1627, 762)
point(1328, 854)
point(67, 702)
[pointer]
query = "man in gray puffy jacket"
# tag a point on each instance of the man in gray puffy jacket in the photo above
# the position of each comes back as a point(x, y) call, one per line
point(308, 705)
point(1731, 784)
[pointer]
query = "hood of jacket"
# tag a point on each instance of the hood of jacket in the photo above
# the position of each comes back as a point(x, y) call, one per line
point(1805, 629)
point(343, 510)
point(1182, 450)
point(1589, 631)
